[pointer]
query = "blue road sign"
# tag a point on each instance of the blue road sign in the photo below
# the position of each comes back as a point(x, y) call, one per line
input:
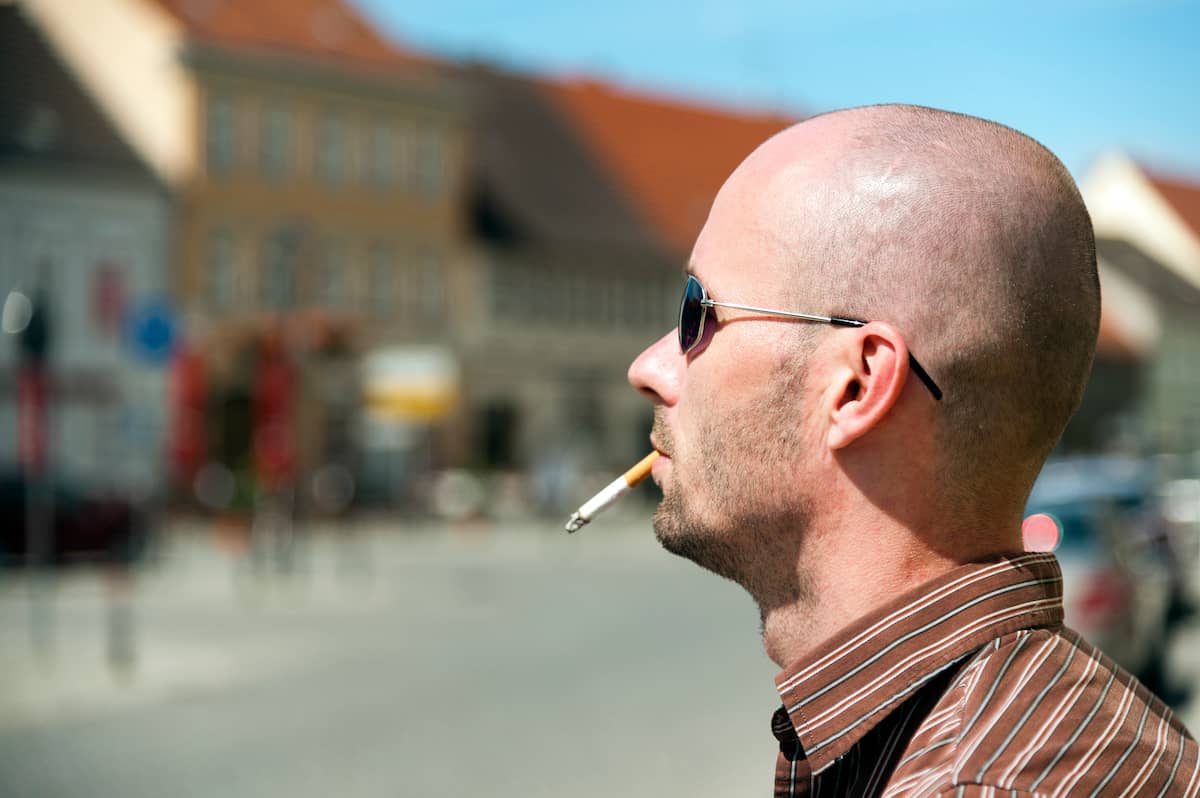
point(151, 330)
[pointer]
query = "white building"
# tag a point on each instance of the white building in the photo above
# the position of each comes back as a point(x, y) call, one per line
point(1148, 246)
point(84, 222)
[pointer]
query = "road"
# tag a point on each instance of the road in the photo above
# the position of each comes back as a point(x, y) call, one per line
point(512, 662)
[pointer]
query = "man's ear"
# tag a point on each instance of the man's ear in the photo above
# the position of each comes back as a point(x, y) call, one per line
point(869, 382)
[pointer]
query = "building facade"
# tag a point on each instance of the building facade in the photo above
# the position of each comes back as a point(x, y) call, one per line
point(584, 203)
point(401, 265)
point(315, 171)
point(324, 209)
point(1148, 247)
point(85, 233)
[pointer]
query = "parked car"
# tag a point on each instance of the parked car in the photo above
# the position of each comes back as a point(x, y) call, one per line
point(1119, 556)
point(86, 525)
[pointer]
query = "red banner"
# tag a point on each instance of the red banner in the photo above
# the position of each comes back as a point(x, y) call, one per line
point(187, 445)
point(31, 417)
point(274, 448)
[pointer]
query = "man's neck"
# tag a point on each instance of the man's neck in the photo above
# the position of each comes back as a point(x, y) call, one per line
point(854, 572)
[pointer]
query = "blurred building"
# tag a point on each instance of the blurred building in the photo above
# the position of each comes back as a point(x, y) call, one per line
point(85, 227)
point(584, 203)
point(390, 263)
point(324, 208)
point(316, 171)
point(1147, 375)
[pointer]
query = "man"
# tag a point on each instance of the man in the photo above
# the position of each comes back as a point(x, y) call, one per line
point(890, 315)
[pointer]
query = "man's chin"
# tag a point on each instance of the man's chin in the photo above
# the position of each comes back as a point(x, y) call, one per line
point(760, 553)
point(668, 536)
point(684, 538)
point(668, 522)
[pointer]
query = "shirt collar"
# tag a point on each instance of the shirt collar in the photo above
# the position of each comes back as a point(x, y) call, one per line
point(839, 693)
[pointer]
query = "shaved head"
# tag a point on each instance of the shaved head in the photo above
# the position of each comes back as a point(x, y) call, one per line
point(968, 236)
point(889, 318)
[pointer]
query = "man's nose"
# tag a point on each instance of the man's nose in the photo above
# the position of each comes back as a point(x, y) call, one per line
point(657, 372)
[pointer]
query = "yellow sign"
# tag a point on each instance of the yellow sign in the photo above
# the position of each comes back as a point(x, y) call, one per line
point(411, 384)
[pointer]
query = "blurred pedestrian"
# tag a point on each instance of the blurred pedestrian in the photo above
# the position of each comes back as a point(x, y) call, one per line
point(869, 495)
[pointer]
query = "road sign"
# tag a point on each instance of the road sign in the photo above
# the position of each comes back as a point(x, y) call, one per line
point(151, 328)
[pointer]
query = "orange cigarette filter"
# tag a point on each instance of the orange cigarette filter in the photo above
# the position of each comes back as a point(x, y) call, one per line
point(613, 491)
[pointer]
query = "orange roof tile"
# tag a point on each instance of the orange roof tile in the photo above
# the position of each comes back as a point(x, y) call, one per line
point(669, 156)
point(1183, 196)
point(1113, 341)
point(327, 29)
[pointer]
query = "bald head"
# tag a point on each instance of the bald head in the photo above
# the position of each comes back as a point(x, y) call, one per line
point(970, 238)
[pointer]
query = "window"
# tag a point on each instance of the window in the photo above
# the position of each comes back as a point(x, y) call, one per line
point(381, 155)
point(668, 307)
point(433, 285)
point(544, 295)
point(508, 291)
point(220, 274)
point(585, 299)
point(275, 151)
point(561, 286)
point(334, 288)
point(608, 300)
point(220, 133)
point(280, 258)
point(381, 279)
point(526, 284)
point(406, 154)
point(556, 294)
point(582, 407)
point(498, 425)
point(332, 150)
point(108, 297)
point(632, 294)
point(429, 166)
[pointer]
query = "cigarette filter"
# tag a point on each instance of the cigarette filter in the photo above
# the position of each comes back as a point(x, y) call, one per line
point(615, 490)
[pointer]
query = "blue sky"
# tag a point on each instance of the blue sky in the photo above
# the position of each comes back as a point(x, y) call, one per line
point(1082, 77)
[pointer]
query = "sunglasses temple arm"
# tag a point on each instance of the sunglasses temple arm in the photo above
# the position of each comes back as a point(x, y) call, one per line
point(924, 377)
point(917, 368)
point(837, 321)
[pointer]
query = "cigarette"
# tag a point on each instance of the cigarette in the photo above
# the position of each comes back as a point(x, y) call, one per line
point(615, 490)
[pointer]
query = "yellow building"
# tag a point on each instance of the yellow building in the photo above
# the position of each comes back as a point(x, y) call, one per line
point(317, 175)
point(327, 173)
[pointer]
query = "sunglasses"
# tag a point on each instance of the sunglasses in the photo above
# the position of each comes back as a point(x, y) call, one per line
point(693, 312)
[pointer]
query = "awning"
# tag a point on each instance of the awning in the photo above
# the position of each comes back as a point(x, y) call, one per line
point(411, 384)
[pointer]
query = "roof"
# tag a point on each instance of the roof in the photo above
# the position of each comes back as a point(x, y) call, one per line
point(46, 117)
point(1162, 285)
point(1160, 282)
point(669, 156)
point(1182, 195)
point(331, 30)
point(1113, 341)
point(535, 179)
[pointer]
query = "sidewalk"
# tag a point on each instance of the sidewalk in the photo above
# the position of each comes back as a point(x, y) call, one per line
point(76, 676)
point(203, 621)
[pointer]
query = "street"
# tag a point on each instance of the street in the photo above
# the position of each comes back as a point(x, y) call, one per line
point(512, 660)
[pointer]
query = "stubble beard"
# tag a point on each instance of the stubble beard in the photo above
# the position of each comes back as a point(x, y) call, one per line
point(756, 518)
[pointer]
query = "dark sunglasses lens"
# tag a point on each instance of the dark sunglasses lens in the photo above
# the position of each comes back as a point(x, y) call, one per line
point(691, 313)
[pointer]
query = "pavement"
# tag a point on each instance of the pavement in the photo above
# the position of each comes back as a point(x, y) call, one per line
point(400, 659)
point(404, 661)
point(204, 618)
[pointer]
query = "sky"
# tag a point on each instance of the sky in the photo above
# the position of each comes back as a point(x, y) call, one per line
point(1084, 78)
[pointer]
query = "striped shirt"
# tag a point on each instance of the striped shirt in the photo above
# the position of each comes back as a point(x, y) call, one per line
point(972, 686)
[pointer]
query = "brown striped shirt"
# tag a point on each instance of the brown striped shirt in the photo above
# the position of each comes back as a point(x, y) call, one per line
point(972, 686)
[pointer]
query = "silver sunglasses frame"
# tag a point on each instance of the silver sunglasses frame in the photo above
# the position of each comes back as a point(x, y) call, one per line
point(837, 321)
point(790, 314)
